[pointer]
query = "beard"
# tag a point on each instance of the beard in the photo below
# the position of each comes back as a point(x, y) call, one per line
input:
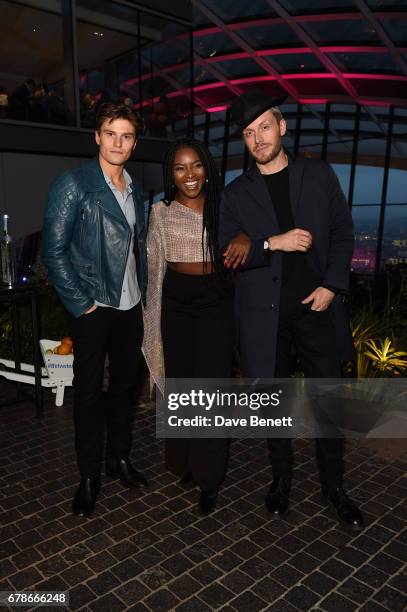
point(268, 157)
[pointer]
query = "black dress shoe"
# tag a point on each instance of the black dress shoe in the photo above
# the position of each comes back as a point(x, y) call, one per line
point(345, 509)
point(186, 478)
point(277, 498)
point(122, 468)
point(207, 501)
point(83, 503)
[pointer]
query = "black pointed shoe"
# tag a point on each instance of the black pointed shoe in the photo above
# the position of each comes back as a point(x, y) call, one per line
point(207, 501)
point(122, 468)
point(277, 498)
point(346, 511)
point(186, 478)
point(83, 503)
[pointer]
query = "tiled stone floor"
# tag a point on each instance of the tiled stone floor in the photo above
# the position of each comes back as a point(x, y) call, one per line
point(152, 551)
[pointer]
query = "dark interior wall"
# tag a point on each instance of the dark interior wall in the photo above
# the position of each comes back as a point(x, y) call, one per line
point(25, 180)
point(71, 142)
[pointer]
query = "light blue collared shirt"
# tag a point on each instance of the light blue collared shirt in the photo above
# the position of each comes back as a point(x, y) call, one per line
point(131, 294)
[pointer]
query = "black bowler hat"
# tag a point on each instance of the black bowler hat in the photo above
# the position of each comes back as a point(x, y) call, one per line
point(250, 105)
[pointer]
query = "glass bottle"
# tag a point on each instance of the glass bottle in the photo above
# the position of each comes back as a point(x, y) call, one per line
point(7, 261)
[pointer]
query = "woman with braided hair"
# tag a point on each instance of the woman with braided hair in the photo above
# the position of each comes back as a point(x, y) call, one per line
point(188, 320)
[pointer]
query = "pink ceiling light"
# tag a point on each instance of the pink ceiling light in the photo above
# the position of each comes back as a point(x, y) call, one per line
point(303, 76)
point(216, 109)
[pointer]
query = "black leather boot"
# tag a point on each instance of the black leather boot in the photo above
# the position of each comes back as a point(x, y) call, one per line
point(207, 501)
point(346, 511)
point(122, 468)
point(277, 498)
point(83, 503)
point(186, 478)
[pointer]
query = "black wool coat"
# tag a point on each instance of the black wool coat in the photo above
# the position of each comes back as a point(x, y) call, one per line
point(319, 206)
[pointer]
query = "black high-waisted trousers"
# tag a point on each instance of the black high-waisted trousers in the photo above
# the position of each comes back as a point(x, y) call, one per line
point(198, 333)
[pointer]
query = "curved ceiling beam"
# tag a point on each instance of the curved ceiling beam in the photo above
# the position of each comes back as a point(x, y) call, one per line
point(310, 76)
point(247, 23)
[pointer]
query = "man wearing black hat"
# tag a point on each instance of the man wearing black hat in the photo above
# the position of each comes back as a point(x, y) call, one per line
point(293, 215)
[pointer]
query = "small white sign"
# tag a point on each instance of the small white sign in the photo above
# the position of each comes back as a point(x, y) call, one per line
point(58, 366)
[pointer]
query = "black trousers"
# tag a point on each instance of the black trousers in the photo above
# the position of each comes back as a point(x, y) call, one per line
point(118, 334)
point(198, 332)
point(313, 335)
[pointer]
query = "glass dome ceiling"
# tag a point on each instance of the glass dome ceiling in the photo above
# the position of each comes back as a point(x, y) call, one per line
point(313, 51)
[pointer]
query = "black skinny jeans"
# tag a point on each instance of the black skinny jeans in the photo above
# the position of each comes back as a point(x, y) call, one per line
point(118, 334)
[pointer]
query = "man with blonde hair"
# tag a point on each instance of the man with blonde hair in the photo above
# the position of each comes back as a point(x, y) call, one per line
point(294, 217)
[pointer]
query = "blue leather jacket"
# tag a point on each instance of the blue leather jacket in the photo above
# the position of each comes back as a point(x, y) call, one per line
point(86, 239)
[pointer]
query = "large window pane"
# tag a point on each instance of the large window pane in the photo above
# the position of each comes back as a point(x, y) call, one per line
point(355, 31)
point(394, 249)
point(107, 45)
point(343, 124)
point(125, 55)
point(368, 185)
point(387, 4)
point(339, 146)
point(163, 108)
point(310, 143)
point(239, 68)
point(296, 63)
point(342, 171)
point(214, 44)
point(396, 186)
point(381, 63)
point(396, 28)
point(236, 147)
point(200, 20)
point(266, 36)
point(370, 165)
point(233, 10)
point(311, 134)
point(299, 7)
point(365, 219)
point(31, 54)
